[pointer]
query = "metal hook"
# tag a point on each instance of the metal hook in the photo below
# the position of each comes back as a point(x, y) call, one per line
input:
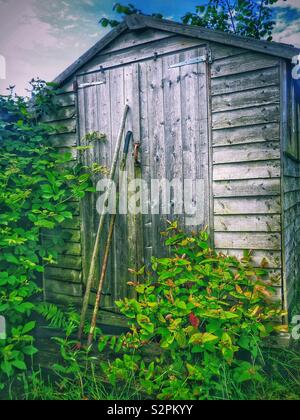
point(136, 154)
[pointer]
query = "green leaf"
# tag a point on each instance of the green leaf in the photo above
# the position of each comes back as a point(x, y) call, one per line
point(145, 323)
point(29, 350)
point(19, 364)
point(28, 327)
point(180, 337)
point(7, 368)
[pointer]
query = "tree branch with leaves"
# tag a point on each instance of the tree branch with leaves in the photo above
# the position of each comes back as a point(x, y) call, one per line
point(251, 18)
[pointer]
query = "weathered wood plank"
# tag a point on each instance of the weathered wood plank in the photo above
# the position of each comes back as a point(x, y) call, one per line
point(64, 300)
point(63, 288)
point(190, 124)
point(261, 205)
point(62, 274)
point(246, 188)
point(133, 39)
point(291, 199)
point(251, 134)
point(74, 223)
point(244, 117)
point(128, 230)
point(291, 167)
point(265, 47)
point(291, 214)
point(63, 140)
point(204, 150)
point(71, 235)
point(111, 36)
point(69, 261)
point(172, 161)
point(220, 51)
point(242, 63)
point(142, 52)
point(265, 258)
point(246, 99)
point(119, 253)
point(291, 184)
point(61, 113)
point(156, 133)
point(64, 99)
point(64, 126)
point(261, 223)
point(242, 82)
point(69, 248)
point(145, 161)
point(247, 152)
point(237, 240)
point(250, 170)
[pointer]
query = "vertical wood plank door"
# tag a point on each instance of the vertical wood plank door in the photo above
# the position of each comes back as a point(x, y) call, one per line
point(169, 118)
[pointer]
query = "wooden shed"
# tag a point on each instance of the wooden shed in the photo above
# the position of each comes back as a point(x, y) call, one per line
point(203, 104)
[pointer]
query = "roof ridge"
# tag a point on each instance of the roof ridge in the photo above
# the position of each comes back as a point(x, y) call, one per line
point(141, 21)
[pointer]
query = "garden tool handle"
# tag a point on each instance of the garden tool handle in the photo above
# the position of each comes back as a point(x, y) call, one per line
point(128, 138)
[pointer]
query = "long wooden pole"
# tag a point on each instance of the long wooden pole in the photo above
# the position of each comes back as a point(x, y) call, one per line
point(100, 228)
point(102, 279)
point(128, 138)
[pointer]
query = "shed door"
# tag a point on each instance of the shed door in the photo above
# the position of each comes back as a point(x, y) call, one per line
point(168, 115)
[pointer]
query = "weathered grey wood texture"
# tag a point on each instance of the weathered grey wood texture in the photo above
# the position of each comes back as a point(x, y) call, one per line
point(290, 129)
point(220, 122)
point(245, 98)
point(63, 281)
point(170, 122)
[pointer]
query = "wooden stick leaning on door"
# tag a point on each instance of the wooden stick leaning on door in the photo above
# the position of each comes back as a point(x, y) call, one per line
point(128, 138)
point(100, 229)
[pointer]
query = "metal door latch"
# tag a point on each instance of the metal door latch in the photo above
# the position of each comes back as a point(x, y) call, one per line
point(207, 58)
point(85, 85)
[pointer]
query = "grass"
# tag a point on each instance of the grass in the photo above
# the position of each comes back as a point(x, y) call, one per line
point(38, 387)
point(281, 382)
point(282, 376)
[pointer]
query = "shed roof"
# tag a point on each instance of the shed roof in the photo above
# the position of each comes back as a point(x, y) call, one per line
point(138, 22)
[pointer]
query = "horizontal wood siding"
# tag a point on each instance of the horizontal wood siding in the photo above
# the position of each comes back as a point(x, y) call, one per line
point(63, 280)
point(245, 139)
point(245, 89)
point(291, 221)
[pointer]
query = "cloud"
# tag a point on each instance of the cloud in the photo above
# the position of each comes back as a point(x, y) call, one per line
point(287, 16)
point(42, 37)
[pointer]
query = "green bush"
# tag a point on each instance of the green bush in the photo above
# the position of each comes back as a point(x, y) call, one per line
point(205, 314)
point(37, 185)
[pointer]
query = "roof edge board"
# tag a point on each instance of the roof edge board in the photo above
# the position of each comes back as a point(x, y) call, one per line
point(88, 55)
point(137, 22)
point(273, 48)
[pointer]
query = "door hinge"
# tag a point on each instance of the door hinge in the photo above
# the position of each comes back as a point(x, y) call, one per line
point(206, 58)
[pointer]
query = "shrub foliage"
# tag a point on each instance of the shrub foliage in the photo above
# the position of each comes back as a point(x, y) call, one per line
point(204, 313)
point(37, 185)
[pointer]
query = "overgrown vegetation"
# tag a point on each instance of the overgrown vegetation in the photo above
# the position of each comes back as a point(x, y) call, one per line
point(200, 319)
point(206, 313)
point(252, 18)
point(197, 328)
point(37, 186)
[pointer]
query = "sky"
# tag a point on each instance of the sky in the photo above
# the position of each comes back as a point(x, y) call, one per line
point(40, 38)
